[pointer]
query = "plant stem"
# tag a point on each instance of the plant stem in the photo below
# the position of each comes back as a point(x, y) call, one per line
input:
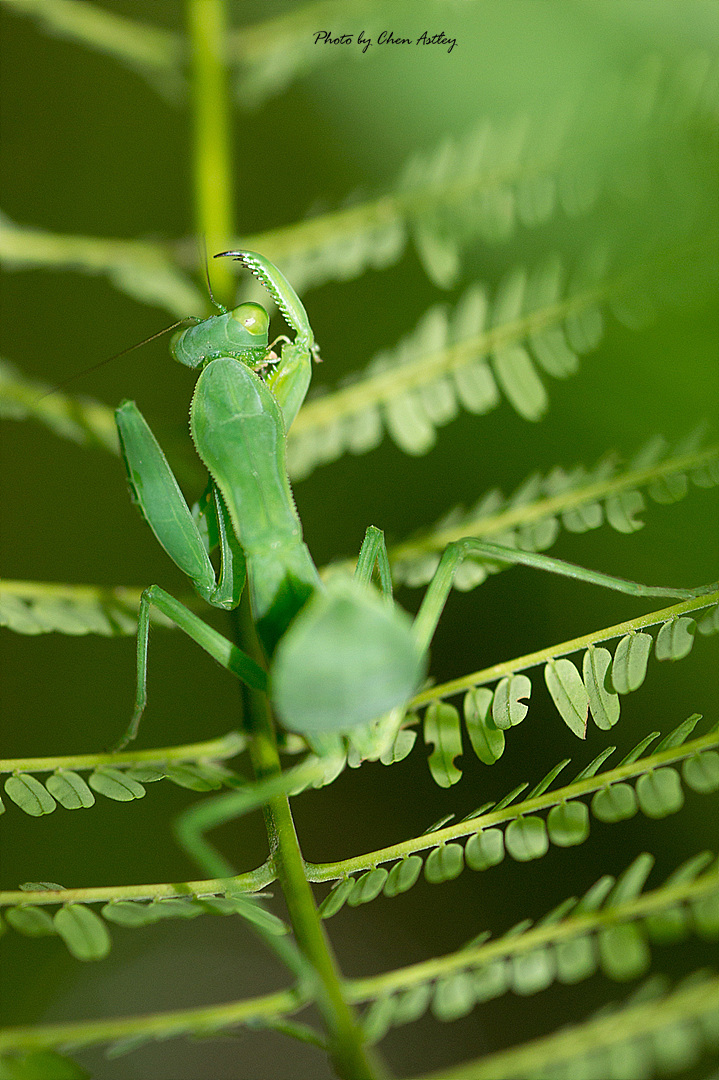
point(564, 648)
point(490, 818)
point(201, 1021)
point(213, 195)
point(207, 26)
point(352, 1059)
point(350, 1056)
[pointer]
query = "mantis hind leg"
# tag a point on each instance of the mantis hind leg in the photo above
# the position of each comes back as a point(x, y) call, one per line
point(192, 824)
point(219, 648)
point(436, 596)
point(372, 743)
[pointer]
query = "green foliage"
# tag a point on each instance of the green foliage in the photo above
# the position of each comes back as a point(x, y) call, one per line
point(657, 793)
point(148, 49)
point(577, 500)
point(197, 768)
point(576, 697)
point(566, 223)
point(606, 929)
point(80, 419)
point(655, 1032)
point(142, 270)
point(30, 607)
point(465, 358)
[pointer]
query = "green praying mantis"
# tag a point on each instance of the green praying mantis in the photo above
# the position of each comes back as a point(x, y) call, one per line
point(339, 655)
point(342, 659)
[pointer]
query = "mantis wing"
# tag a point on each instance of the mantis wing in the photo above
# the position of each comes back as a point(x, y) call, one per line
point(347, 658)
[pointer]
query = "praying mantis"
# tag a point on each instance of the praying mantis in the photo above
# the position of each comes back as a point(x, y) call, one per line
point(317, 638)
point(341, 658)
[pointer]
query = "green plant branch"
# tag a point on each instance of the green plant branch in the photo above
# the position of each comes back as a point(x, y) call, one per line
point(264, 875)
point(250, 882)
point(470, 826)
point(390, 213)
point(91, 421)
point(538, 509)
point(271, 1007)
point(80, 419)
point(141, 269)
point(203, 1021)
point(647, 903)
point(632, 1022)
point(522, 663)
point(149, 271)
point(375, 388)
point(351, 1057)
point(550, 149)
point(155, 52)
point(36, 607)
point(120, 604)
point(211, 157)
point(226, 746)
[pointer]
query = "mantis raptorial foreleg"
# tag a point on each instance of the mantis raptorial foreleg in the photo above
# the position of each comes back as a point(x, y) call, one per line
point(289, 380)
point(158, 495)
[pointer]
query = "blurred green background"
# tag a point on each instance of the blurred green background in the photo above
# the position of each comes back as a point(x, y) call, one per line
point(88, 148)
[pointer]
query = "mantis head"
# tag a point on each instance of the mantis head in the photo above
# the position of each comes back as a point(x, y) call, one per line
point(241, 334)
point(281, 292)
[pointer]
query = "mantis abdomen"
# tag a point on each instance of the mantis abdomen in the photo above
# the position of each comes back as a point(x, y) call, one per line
point(239, 433)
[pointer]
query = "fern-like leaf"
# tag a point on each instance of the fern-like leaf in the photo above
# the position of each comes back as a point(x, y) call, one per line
point(137, 267)
point(80, 419)
point(154, 53)
point(578, 499)
point(38, 607)
point(655, 1032)
point(610, 928)
point(523, 834)
point(577, 696)
point(497, 177)
point(121, 778)
point(486, 348)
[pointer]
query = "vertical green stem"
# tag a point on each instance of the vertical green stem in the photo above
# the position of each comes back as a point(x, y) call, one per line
point(207, 25)
point(352, 1059)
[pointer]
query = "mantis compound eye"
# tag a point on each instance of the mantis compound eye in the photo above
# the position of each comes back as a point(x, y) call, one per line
point(253, 317)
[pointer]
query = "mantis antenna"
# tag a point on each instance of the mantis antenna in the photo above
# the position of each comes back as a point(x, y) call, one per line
point(117, 355)
point(206, 267)
point(189, 319)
